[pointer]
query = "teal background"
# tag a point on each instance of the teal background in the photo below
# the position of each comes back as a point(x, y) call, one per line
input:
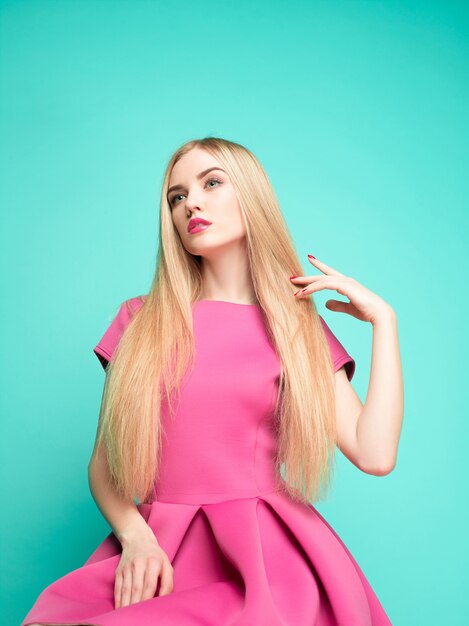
point(358, 112)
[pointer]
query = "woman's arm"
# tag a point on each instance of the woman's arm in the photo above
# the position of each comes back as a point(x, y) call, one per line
point(143, 562)
point(122, 515)
point(380, 422)
point(369, 434)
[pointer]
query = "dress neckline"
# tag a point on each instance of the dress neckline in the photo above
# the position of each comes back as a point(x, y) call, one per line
point(228, 302)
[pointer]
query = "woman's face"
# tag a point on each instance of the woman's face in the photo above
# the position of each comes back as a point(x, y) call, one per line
point(194, 192)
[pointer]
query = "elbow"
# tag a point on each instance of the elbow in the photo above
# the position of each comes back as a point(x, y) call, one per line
point(382, 467)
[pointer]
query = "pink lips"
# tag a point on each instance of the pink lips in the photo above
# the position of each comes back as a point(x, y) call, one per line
point(197, 224)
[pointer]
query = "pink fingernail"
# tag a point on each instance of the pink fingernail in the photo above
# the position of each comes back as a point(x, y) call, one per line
point(297, 292)
point(311, 256)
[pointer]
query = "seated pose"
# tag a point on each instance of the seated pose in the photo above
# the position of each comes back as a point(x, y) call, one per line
point(225, 396)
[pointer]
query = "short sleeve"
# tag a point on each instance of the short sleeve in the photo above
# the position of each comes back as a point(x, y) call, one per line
point(339, 354)
point(106, 346)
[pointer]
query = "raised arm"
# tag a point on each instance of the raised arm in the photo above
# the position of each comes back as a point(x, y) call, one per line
point(368, 434)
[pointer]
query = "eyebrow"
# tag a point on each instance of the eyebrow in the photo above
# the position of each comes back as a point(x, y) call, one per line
point(199, 176)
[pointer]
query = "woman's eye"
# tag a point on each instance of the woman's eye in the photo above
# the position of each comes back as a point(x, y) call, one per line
point(172, 202)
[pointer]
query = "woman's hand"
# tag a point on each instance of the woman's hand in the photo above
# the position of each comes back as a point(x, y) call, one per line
point(142, 561)
point(364, 304)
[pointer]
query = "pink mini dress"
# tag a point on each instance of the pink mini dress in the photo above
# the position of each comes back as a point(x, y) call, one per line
point(243, 552)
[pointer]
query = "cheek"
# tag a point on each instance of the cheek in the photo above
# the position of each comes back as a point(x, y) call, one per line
point(237, 214)
point(232, 212)
point(234, 221)
point(179, 224)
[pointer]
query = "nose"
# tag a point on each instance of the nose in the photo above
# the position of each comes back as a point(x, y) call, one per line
point(193, 203)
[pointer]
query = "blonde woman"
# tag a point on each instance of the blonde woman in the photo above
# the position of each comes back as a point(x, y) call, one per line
point(224, 399)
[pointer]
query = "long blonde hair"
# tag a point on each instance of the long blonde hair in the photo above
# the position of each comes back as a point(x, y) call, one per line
point(157, 347)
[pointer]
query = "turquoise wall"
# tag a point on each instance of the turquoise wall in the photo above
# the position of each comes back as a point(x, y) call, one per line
point(358, 111)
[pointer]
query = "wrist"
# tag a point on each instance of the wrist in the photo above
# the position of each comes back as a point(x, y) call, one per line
point(385, 315)
point(132, 535)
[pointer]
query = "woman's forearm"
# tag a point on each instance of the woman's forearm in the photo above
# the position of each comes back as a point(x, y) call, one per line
point(123, 516)
point(380, 422)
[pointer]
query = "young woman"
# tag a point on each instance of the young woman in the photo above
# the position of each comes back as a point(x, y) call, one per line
point(224, 399)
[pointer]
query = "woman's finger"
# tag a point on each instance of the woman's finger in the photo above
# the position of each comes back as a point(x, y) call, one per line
point(302, 280)
point(126, 586)
point(138, 573)
point(167, 583)
point(150, 581)
point(118, 588)
point(338, 306)
point(322, 267)
point(338, 283)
